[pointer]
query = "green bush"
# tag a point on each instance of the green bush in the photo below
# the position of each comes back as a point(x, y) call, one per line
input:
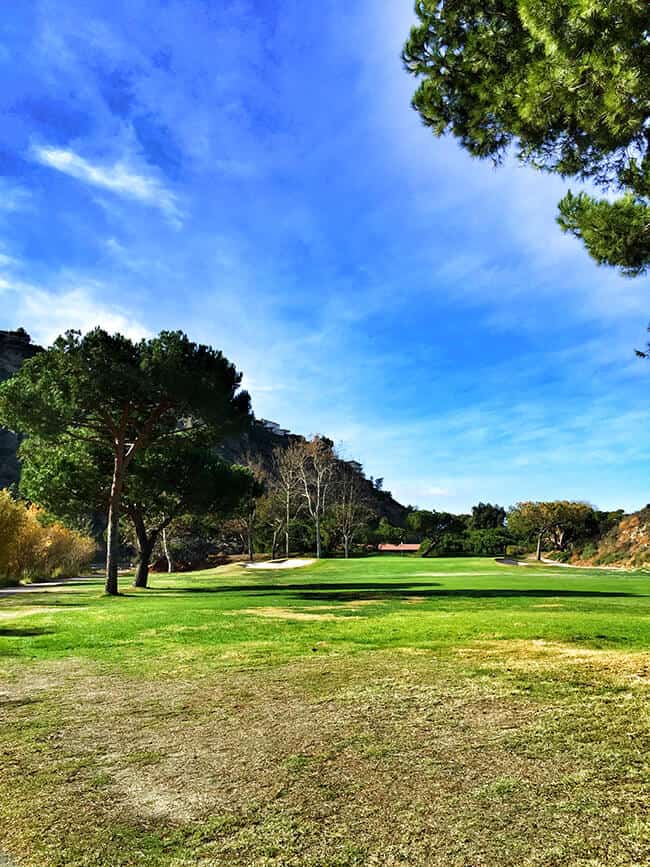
point(608, 559)
point(516, 551)
point(488, 543)
point(589, 551)
point(560, 556)
point(472, 543)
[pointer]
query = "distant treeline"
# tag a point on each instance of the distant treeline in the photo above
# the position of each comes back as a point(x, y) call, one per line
point(563, 528)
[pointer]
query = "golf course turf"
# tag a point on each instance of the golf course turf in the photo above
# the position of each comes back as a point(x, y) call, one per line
point(379, 711)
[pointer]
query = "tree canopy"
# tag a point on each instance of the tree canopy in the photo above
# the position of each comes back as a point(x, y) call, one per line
point(124, 397)
point(72, 480)
point(564, 82)
point(486, 516)
point(558, 521)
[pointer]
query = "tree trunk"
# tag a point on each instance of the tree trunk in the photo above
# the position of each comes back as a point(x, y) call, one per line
point(539, 546)
point(113, 536)
point(145, 545)
point(432, 544)
point(274, 544)
point(249, 543)
point(170, 565)
point(318, 542)
point(142, 569)
point(346, 546)
point(286, 532)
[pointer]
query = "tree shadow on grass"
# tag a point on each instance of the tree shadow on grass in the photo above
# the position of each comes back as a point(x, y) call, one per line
point(264, 589)
point(461, 593)
point(382, 591)
point(17, 632)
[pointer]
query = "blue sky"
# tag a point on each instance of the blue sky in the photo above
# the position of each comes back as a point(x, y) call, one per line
point(252, 172)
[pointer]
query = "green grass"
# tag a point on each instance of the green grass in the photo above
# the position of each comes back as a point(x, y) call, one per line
point(379, 711)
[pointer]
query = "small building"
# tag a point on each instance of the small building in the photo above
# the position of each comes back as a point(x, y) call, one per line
point(402, 548)
point(274, 428)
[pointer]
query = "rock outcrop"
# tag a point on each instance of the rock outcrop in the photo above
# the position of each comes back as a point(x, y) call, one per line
point(15, 348)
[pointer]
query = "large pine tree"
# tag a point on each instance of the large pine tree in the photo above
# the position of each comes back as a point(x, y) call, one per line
point(564, 82)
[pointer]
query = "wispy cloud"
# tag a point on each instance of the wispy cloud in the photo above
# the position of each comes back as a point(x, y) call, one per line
point(119, 178)
point(13, 198)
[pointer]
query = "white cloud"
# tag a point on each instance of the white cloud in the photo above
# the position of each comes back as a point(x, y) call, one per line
point(257, 386)
point(46, 313)
point(437, 491)
point(119, 178)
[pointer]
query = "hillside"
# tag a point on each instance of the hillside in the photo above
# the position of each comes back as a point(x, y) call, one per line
point(627, 544)
point(259, 444)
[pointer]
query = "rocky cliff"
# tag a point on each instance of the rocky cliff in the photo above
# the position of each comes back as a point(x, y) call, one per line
point(15, 348)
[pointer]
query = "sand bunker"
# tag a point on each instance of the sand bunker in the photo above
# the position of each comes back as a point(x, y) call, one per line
point(293, 563)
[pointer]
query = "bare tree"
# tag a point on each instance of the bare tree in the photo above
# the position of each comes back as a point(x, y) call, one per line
point(316, 466)
point(245, 519)
point(271, 515)
point(287, 482)
point(170, 564)
point(350, 509)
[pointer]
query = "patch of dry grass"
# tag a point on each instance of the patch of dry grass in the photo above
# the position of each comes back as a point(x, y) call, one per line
point(384, 759)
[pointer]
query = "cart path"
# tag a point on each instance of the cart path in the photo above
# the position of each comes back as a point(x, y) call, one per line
point(46, 587)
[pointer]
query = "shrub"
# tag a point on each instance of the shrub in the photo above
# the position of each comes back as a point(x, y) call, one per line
point(12, 523)
point(489, 542)
point(31, 549)
point(471, 543)
point(446, 545)
point(560, 556)
point(589, 551)
point(516, 551)
point(607, 559)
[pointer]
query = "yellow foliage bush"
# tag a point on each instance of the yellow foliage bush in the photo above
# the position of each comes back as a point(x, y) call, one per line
point(30, 549)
